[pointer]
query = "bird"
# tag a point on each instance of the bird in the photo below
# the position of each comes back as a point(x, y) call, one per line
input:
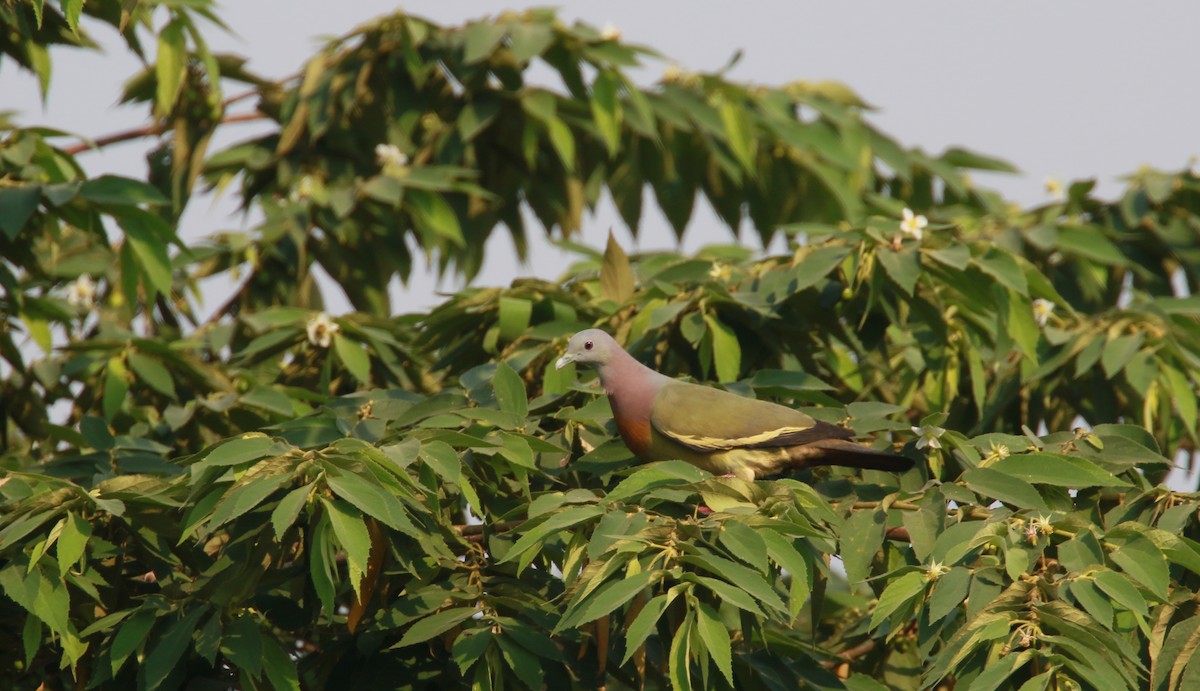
point(660, 418)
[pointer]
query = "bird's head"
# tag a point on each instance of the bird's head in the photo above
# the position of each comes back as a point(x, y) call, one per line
point(592, 347)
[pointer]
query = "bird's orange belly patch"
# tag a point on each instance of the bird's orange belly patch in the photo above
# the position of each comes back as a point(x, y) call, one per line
point(636, 436)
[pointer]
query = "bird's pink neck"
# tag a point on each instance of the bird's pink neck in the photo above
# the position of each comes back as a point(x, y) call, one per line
point(630, 385)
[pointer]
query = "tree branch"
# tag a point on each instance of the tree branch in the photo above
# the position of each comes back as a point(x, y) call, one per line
point(148, 131)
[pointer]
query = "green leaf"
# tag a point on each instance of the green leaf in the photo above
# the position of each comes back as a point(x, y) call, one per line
point(130, 636)
point(288, 509)
point(522, 662)
point(745, 543)
point(1001, 266)
point(996, 673)
point(17, 205)
point(903, 267)
point(243, 498)
point(616, 274)
point(243, 449)
point(514, 315)
point(152, 372)
point(72, 542)
point(716, 639)
point(149, 248)
point(1145, 563)
point(655, 475)
point(119, 191)
point(554, 524)
point(606, 111)
point(644, 624)
point(949, 591)
point(861, 538)
point(281, 670)
point(169, 70)
point(1052, 469)
point(680, 654)
point(354, 358)
point(242, 642)
point(431, 211)
point(169, 647)
point(481, 38)
point(604, 599)
point(510, 391)
point(897, 594)
point(372, 499)
point(435, 625)
point(1093, 601)
point(727, 351)
point(1081, 552)
point(1119, 351)
point(993, 484)
point(738, 136)
point(352, 535)
point(116, 386)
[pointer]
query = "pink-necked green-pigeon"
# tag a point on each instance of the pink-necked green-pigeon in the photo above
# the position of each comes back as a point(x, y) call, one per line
point(660, 419)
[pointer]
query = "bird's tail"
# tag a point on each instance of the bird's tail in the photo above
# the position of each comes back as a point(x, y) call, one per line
point(849, 454)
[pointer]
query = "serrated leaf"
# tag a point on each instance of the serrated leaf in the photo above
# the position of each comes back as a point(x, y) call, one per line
point(745, 543)
point(559, 521)
point(288, 509)
point(903, 267)
point(604, 599)
point(1051, 469)
point(435, 625)
point(644, 624)
point(949, 591)
point(166, 649)
point(716, 639)
point(898, 593)
point(1118, 352)
point(352, 535)
point(1145, 563)
point(17, 205)
point(993, 484)
point(861, 538)
point(372, 499)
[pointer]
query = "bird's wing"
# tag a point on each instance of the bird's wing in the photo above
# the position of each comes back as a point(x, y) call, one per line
point(706, 420)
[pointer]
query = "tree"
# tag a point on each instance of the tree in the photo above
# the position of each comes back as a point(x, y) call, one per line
point(276, 498)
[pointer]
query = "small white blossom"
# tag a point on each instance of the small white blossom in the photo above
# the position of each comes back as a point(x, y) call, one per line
point(82, 292)
point(390, 155)
point(1042, 309)
point(321, 329)
point(936, 570)
point(610, 33)
point(913, 224)
point(929, 436)
point(672, 73)
point(998, 452)
point(1055, 189)
point(720, 272)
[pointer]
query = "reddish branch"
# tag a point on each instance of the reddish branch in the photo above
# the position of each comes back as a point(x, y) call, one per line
point(148, 131)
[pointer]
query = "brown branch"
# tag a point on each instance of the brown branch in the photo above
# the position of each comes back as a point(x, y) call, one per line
point(850, 655)
point(148, 131)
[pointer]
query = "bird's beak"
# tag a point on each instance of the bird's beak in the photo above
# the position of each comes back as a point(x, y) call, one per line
point(564, 361)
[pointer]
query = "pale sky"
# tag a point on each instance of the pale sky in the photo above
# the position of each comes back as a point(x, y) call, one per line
point(1065, 89)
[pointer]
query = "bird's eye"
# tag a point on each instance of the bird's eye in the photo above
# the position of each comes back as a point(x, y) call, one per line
point(587, 345)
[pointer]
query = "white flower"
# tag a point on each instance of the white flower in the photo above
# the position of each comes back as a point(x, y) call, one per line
point(720, 272)
point(1055, 189)
point(913, 224)
point(321, 329)
point(929, 436)
point(1042, 309)
point(610, 33)
point(672, 73)
point(998, 452)
point(936, 570)
point(390, 155)
point(82, 292)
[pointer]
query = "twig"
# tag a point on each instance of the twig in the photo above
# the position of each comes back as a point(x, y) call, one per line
point(148, 131)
